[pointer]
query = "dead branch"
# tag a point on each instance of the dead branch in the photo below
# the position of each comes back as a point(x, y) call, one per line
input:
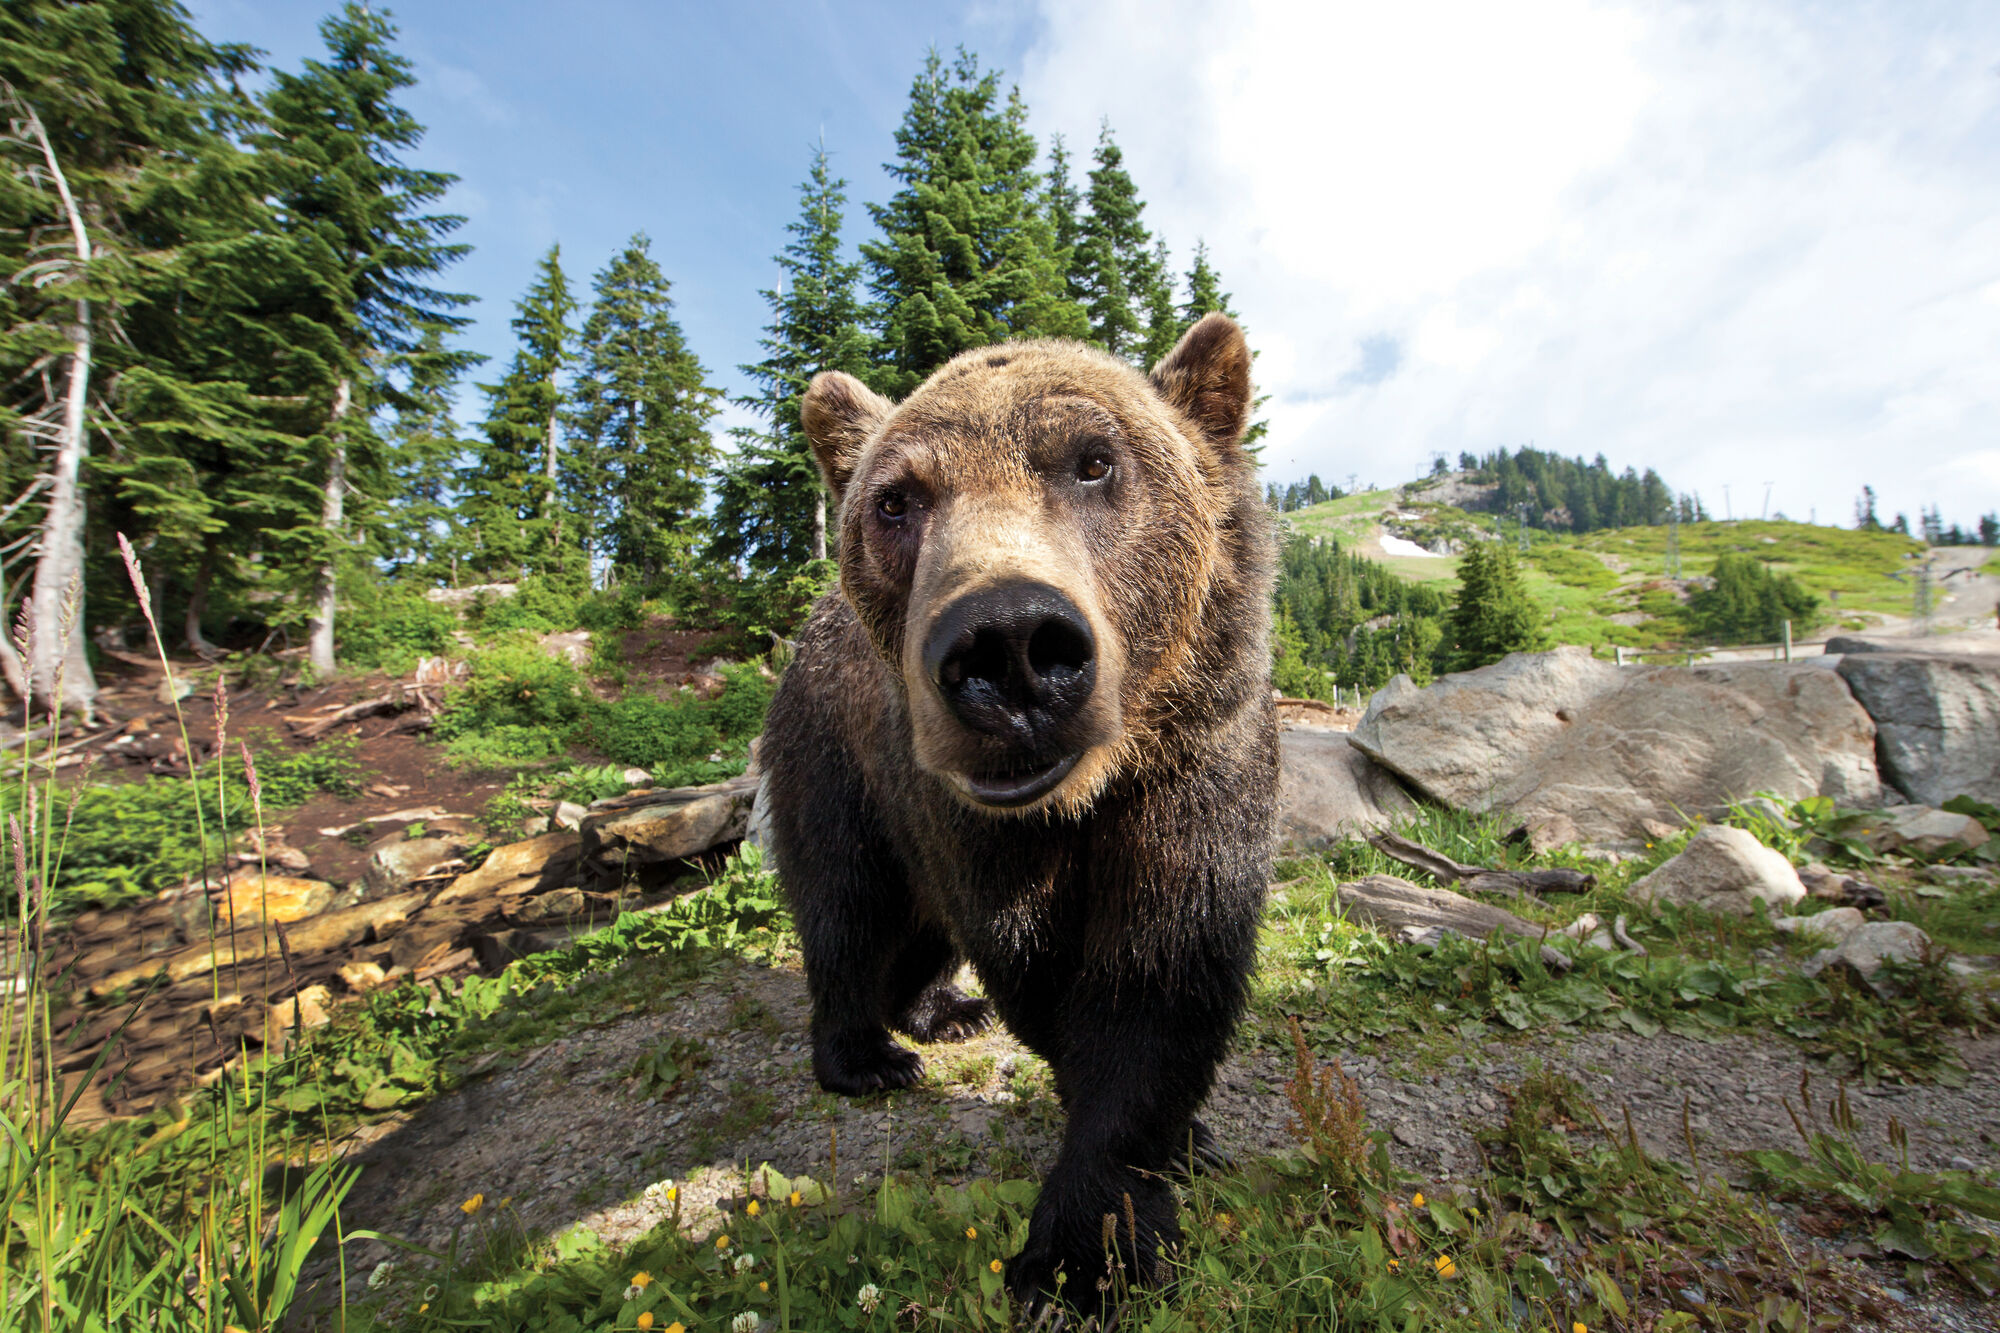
point(1479, 879)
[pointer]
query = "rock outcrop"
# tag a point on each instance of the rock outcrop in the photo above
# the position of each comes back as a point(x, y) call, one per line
point(1921, 830)
point(1936, 718)
point(1724, 870)
point(1620, 751)
point(651, 828)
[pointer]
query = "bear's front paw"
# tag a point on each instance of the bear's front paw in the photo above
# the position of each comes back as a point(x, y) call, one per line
point(856, 1064)
point(944, 1013)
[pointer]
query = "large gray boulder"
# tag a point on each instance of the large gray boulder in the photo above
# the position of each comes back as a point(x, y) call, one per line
point(1723, 869)
point(1328, 790)
point(1619, 748)
point(1936, 719)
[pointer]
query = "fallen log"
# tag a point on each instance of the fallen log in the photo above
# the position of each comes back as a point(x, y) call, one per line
point(1480, 879)
point(1397, 907)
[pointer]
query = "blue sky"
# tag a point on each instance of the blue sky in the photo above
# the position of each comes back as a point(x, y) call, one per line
point(1744, 244)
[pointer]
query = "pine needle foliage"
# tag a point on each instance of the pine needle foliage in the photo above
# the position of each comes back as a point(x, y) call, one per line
point(770, 505)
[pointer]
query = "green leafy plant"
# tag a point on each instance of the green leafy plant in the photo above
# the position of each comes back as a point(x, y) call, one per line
point(1922, 1217)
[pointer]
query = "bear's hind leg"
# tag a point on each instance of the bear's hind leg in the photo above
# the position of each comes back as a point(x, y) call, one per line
point(928, 1007)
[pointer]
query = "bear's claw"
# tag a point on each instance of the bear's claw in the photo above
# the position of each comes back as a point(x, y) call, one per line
point(858, 1064)
point(943, 1013)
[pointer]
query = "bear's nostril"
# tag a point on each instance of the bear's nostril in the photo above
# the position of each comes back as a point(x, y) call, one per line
point(1058, 649)
point(985, 658)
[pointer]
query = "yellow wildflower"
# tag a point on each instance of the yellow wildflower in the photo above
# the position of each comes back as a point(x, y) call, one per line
point(472, 1205)
point(425, 1306)
point(797, 1199)
point(972, 1233)
point(1395, 1264)
point(754, 1208)
point(642, 1280)
point(1445, 1267)
point(645, 1319)
point(1579, 1327)
point(722, 1242)
point(763, 1286)
point(1417, 1199)
point(995, 1265)
point(677, 1327)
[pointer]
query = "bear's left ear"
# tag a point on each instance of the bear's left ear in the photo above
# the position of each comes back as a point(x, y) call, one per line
point(1207, 376)
point(839, 413)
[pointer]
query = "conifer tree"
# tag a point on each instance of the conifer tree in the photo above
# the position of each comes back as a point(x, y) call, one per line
point(511, 504)
point(357, 215)
point(967, 255)
point(1114, 256)
point(121, 173)
point(770, 507)
point(1163, 326)
point(641, 419)
point(420, 531)
point(1494, 615)
point(1064, 205)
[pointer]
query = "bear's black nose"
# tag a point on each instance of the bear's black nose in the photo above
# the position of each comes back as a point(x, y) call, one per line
point(1015, 661)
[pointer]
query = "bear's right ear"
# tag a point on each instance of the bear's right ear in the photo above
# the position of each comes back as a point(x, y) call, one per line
point(839, 413)
point(1207, 376)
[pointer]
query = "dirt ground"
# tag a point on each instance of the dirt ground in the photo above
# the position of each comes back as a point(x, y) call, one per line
point(567, 1137)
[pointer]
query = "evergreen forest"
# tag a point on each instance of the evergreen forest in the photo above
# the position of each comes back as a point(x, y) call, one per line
point(231, 339)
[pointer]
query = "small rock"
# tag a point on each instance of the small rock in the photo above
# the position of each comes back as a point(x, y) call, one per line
point(1964, 1164)
point(1835, 887)
point(636, 777)
point(569, 815)
point(361, 977)
point(308, 1009)
point(1958, 875)
point(1864, 951)
point(395, 863)
point(1922, 830)
point(1725, 870)
point(1832, 926)
point(535, 827)
point(1546, 832)
point(254, 897)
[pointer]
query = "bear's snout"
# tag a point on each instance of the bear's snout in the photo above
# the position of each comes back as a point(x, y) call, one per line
point(1016, 662)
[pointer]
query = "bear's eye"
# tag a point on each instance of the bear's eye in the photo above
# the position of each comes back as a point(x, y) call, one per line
point(892, 506)
point(1095, 465)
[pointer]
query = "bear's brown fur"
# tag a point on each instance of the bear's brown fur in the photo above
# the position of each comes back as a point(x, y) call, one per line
point(1034, 730)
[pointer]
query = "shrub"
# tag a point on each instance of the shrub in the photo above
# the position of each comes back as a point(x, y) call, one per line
point(539, 606)
point(623, 607)
point(504, 746)
point(514, 685)
point(389, 631)
point(672, 738)
point(1748, 602)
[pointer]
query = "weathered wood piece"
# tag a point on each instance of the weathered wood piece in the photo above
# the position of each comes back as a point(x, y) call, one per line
point(1479, 879)
point(1397, 907)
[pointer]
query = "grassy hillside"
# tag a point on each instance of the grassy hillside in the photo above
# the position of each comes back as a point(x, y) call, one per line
point(1610, 587)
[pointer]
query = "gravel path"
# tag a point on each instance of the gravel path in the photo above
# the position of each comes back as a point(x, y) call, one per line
point(569, 1138)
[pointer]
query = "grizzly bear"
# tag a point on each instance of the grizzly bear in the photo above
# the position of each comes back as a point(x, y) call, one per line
point(1033, 731)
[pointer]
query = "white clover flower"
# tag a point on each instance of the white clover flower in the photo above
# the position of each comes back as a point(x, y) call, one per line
point(853, 1259)
point(634, 1292)
point(747, 1322)
point(868, 1297)
point(382, 1273)
point(745, 1262)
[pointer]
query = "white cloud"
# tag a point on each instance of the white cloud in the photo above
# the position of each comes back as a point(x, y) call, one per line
point(1742, 244)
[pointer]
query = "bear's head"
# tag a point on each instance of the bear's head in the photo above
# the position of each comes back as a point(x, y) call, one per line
point(1065, 561)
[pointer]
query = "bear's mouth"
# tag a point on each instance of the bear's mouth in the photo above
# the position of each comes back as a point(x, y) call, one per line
point(1019, 787)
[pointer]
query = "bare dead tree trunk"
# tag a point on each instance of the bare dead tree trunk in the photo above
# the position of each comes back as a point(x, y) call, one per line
point(197, 606)
point(549, 475)
point(332, 508)
point(59, 666)
point(819, 524)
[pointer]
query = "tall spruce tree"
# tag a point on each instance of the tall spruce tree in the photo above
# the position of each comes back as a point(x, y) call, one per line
point(643, 404)
point(967, 255)
point(1064, 206)
point(770, 506)
point(359, 217)
point(510, 500)
point(121, 177)
point(1114, 261)
point(419, 531)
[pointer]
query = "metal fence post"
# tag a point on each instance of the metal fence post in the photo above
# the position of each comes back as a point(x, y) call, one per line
point(1788, 640)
